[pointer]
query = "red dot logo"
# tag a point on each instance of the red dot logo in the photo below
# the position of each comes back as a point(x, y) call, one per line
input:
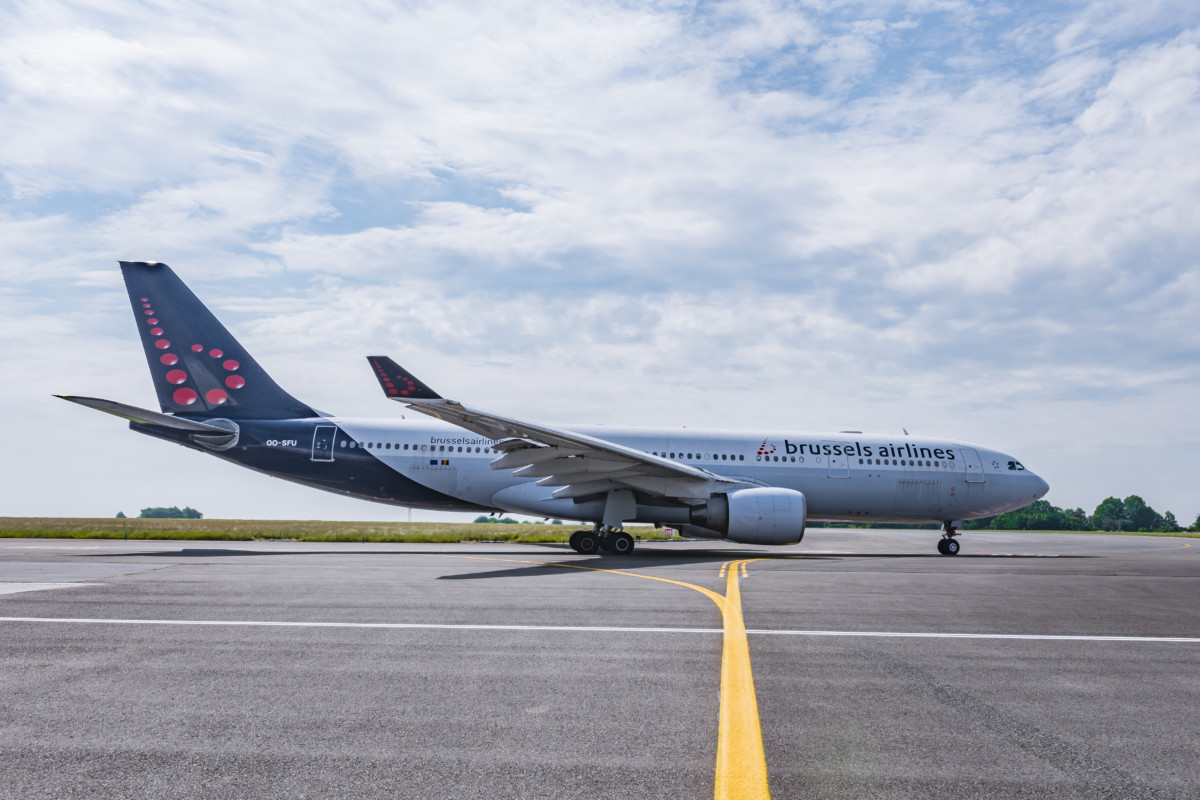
point(176, 376)
point(152, 321)
point(235, 381)
point(156, 331)
point(185, 397)
point(196, 348)
point(162, 344)
point(145, 305)
point(148, 313)
point(392, 391)
point(231, 365)
point(170, 359)
point(216, 396)
point(145, 299)
point(215, 353)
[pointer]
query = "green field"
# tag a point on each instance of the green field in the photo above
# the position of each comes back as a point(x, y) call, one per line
point(249, 530)
point(244, 530)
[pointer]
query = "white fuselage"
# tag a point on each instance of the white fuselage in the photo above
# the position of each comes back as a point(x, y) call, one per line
point(844, 476)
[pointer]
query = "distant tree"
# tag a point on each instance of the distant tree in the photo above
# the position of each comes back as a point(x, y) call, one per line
point(1195, 526)
point(1078, 519)
point(1110, 515)
point(173, 512)
point(1037, 516)
point(556, 522)
point(1141, 516)
point(1169, 524)
point(483, 518)
point(121, 515)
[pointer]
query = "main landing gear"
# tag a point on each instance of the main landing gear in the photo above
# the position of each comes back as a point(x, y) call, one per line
point(948, 545)
point(612, 540)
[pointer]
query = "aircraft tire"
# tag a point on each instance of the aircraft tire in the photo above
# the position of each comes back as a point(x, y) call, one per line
point(942, 546)
point(620, 543)
point(574, 540)
point(588, 543)
point(951, 547)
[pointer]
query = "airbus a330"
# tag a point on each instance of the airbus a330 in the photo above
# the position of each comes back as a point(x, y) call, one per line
point(753, 487)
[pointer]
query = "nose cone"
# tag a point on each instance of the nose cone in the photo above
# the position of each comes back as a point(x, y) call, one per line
point(1040, 487)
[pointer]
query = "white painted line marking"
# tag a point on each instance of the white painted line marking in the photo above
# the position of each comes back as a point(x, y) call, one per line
point(593, 629)
point(377, 625)
point(13, 588)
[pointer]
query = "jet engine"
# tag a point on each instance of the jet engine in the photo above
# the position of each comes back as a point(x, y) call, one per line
point(755, 516)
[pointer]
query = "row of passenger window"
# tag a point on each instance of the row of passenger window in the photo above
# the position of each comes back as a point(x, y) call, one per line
point(902, 462)
point(895, 462)
point(702, 456)
point(424, 448)
point(429, 448)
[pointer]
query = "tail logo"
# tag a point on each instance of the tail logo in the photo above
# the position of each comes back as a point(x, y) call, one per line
point(407, 386)
point(186, 396)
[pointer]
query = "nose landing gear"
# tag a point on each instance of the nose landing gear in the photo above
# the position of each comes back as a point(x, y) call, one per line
point(948, 545)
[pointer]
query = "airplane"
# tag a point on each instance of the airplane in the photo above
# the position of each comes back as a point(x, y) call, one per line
point(750, 487)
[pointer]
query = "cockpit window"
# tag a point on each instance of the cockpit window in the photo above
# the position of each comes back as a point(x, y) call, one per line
point(1015, 465)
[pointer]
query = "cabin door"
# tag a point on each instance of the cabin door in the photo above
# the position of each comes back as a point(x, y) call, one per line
point(323, 436)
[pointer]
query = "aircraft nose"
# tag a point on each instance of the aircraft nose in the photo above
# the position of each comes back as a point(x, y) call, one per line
point(1040, 487)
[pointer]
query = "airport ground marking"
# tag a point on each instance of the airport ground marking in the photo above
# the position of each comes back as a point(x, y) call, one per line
point(741, 761)
point(597, 629)
point(741, 768)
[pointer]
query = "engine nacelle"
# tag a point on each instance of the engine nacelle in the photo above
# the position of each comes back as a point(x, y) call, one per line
point(755, 516)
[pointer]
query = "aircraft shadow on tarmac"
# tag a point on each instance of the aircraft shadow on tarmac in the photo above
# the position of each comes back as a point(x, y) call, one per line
point(643, 557)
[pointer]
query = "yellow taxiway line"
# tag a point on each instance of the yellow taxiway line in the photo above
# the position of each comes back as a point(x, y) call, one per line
point(741, 762)
point(741, 772)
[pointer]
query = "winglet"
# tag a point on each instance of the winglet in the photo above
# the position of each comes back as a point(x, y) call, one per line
point(398, 383)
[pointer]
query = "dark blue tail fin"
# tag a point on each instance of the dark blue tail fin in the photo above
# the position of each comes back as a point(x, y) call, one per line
point(197, 366)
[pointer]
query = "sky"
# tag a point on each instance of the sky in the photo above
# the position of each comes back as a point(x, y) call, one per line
point(978, 221)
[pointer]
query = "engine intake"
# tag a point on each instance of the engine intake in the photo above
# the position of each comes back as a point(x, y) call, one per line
point(755, 516)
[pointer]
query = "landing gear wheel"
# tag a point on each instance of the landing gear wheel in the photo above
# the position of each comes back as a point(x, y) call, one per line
point(942, 546)
point(951, 547)
point(574, 540)
point(585, 542)
point(620, 543)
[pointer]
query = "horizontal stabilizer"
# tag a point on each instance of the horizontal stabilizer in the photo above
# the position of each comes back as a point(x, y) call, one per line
point(144, 416)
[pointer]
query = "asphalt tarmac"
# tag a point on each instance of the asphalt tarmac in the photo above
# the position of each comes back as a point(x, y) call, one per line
point(212, 670)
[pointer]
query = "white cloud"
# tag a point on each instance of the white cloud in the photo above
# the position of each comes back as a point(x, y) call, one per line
point(895, 213)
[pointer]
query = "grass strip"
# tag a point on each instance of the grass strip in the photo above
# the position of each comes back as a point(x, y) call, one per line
point(238, 530)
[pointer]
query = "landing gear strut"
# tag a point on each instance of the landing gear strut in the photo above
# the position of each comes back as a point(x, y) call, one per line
point(948, 545)
point(613, 540)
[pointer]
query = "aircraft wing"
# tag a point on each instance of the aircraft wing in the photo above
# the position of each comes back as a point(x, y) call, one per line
point(578, 464)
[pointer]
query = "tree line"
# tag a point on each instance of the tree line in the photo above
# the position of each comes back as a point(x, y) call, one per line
point(1113, 514)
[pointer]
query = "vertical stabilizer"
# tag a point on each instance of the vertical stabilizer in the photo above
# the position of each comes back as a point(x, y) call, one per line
point(197, 365)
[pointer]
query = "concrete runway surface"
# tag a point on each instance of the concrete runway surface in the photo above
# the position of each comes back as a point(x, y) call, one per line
point(1034, 665)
